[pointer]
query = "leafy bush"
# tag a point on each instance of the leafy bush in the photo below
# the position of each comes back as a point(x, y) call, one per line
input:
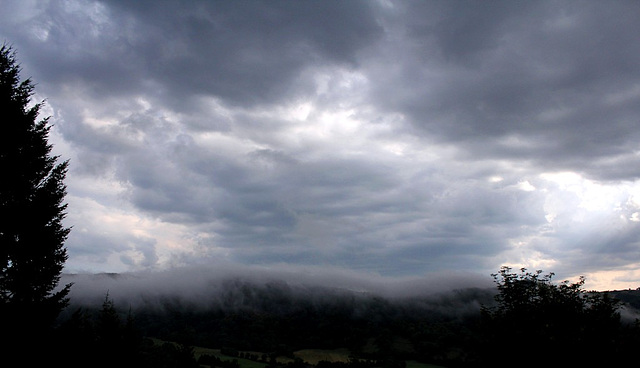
point(537, 322)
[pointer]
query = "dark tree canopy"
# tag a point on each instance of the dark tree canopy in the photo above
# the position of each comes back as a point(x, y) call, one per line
point(537, 322)
point(32, 235)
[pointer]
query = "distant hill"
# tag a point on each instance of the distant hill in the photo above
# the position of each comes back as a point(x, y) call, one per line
point(630, 297)
point(278, 317)
point(281, 318)
point(631, 303)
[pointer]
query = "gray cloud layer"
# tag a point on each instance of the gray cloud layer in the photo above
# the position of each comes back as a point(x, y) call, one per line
point(390, 137)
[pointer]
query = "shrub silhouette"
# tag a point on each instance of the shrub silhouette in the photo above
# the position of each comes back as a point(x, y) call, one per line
point(536, 322)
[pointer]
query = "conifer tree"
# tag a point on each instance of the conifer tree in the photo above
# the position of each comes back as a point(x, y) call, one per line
point(32, 208)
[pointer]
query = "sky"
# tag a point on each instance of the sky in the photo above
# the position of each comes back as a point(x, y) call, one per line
point(389, 138)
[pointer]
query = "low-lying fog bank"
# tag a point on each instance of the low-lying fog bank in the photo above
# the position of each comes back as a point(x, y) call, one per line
point(237, 286)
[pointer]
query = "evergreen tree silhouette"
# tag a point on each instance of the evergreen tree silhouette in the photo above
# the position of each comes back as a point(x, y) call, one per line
point(32, 235)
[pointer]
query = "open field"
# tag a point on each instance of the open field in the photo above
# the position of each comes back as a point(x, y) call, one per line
point(244, 363)
point(414, 364)
point(311, 356)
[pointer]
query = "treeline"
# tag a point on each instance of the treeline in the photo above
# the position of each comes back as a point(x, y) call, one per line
point(215, 362)
point(106, 336)
point(103, 338)
point(527, 315)
point(278, 319)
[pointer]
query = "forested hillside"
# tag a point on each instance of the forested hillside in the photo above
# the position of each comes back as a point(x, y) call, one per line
point(277, 319)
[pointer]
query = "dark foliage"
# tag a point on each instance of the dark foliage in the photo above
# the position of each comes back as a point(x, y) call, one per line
point(539, 323)
point(32, 192)
point(629, 297)
point(101, 339)
point(532, 317)
point(213, 361)
point(278, 320)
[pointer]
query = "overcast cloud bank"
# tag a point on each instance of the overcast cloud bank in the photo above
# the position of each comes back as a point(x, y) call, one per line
point(392, 138)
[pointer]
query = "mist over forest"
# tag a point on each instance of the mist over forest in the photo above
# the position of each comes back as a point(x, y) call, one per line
point(237, 287)
point(441, 319)
point(286, 310)
point(222, 285)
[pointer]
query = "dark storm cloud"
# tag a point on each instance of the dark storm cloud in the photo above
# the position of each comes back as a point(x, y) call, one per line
point(242, 53)
point(552, 83)
point(395, 137)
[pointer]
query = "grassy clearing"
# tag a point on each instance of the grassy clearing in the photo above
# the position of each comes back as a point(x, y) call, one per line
point(313, 356)
point(414, 364)
point(198, 351)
